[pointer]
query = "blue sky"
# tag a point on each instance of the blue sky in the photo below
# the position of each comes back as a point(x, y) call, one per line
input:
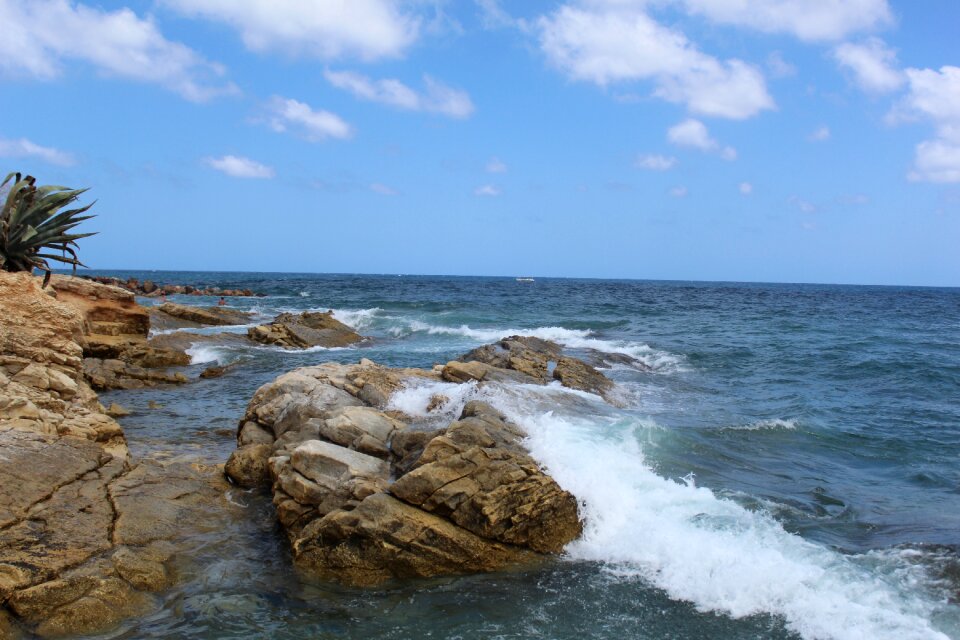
point(770, 140)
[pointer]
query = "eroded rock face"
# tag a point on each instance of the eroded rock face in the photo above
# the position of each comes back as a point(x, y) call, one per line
point(117, 354)
point(85, 533)
point(305, 330)
point(365, 497)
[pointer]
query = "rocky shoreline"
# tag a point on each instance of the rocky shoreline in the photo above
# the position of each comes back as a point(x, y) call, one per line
point(87, 534)
point(362, 492)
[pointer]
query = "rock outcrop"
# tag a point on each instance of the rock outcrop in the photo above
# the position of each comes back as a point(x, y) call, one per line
point(86, 535)
point(531, 360)
point(366, 494)
point(305, 330)
point(201, 316)
point(117, 353)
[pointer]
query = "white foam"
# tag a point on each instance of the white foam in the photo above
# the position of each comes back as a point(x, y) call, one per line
point(203, 354)
point(570, 338)
point(691, 543)
point(357, 319)
point(766, 425)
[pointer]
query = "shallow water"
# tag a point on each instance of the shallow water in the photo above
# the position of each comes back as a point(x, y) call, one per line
point(787, 469)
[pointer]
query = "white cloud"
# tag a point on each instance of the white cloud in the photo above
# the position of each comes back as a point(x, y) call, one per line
point(679, 192)
point(745, 188)
point(487, 190)
point(693, 133)
point(325, 29)
point(436, 97)
point(873, 64)
point(655, 162)
point(287, 114)
point(496, 165)
point(809, 20)
point(820, 134)
point(934, 96)
point(240, 167)
point(383, 189)
point(613, 41)
point(23, 148)
point(39, 36)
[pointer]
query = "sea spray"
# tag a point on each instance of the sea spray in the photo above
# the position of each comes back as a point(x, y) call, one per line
point(684, 539)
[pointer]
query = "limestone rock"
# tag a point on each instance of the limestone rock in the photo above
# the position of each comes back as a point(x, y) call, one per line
point(305, 330)
point(117, 374)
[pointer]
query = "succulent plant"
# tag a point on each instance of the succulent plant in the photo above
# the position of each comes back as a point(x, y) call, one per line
point(33, 227)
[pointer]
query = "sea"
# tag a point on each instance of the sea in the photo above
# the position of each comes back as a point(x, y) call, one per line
point(787, 465)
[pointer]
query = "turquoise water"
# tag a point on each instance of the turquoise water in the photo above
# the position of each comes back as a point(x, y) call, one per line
point(787, 468)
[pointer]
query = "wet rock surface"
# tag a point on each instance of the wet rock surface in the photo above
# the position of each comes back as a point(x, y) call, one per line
point(86, 533)
point(305, 330)
point(366, 494)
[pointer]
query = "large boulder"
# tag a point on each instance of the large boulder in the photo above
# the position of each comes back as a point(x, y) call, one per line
point(364, 496)
point(305, 330)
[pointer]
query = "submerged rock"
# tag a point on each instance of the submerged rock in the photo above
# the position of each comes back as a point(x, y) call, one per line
point(305, 330)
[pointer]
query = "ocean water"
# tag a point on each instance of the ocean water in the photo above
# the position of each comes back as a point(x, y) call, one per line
point(788, 468)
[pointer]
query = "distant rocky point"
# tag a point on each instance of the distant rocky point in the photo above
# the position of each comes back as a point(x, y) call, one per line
point(153, 289)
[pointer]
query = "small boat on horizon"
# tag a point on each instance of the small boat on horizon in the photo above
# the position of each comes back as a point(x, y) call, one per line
point(525, 279)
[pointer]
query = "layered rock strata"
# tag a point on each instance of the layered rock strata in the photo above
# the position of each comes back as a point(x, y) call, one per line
point(86, 534)
point(366, 494)
point(116, 349)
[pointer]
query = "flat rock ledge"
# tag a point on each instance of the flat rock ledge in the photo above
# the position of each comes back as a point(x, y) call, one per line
point(305, 330)
point(367, 494)
point(87, 535)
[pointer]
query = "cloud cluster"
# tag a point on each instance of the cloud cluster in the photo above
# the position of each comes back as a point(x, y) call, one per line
point(693, 133)
point(873, 64)
point(315, 125)
point(23, 148)
point(610, 41)
point(934, 95)
point(240, 167)
point(435, 98)
point(40, 35)
point(325, 29)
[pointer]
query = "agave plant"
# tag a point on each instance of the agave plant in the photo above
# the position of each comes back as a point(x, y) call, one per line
point(32, 226)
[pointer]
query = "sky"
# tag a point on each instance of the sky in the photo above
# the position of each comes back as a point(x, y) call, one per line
point(739, 140)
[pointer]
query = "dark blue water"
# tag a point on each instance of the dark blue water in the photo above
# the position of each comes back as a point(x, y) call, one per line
point(788, 467)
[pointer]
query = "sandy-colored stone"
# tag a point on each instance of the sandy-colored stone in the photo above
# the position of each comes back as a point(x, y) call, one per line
point(304, 330)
